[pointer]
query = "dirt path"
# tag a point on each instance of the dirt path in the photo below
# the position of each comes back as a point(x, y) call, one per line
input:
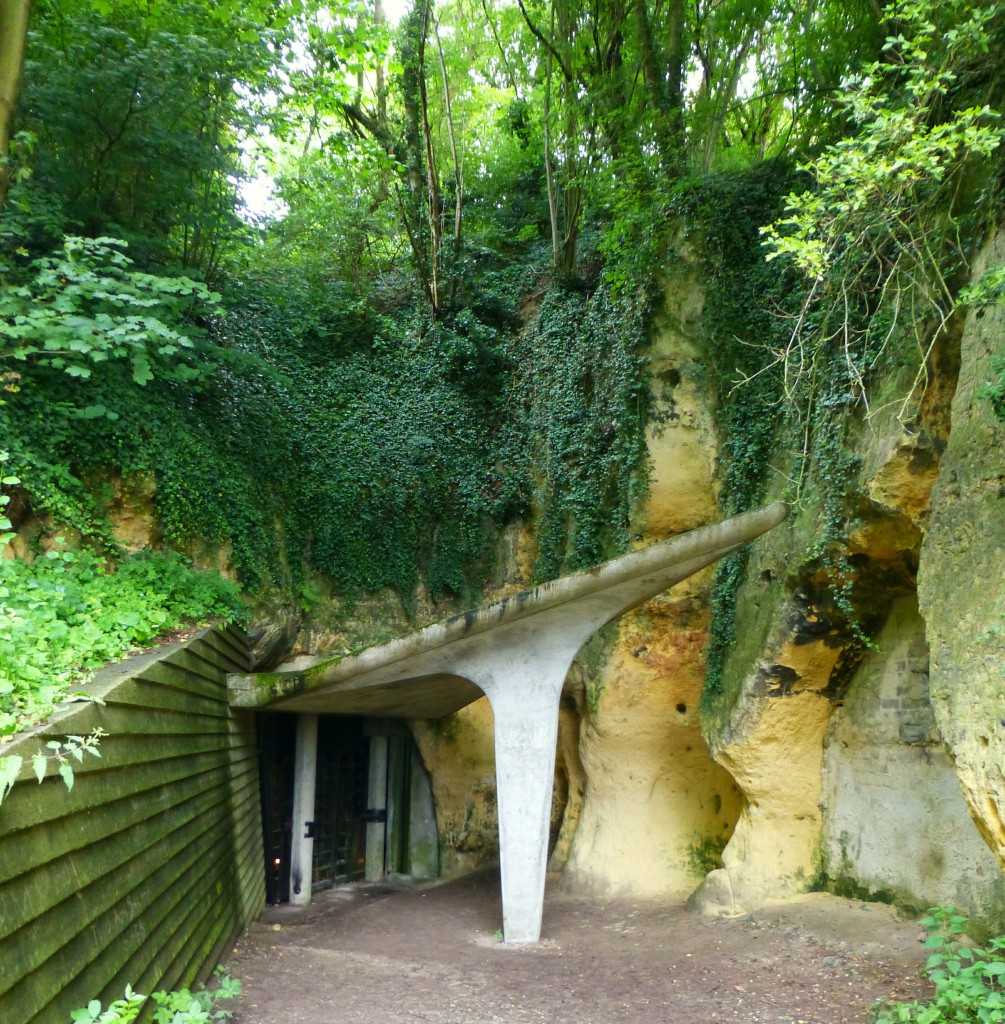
point(372, 954)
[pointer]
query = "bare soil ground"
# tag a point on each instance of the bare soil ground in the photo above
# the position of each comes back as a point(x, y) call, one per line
point(364, 953)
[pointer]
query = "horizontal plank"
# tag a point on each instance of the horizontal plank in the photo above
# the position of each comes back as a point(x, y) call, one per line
point(67, 860)
point(232, 646)
point(154, 859)
point(176, 675)
point(209, 659)
point(104, 886)
point(93, 957)
point(118, 773)
point(107, 823)
point(142, 692)
point(124, 927)
point(171, 930)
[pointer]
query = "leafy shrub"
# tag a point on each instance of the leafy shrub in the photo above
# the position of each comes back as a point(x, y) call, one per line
point(84, 305)
point(180, 1007)
point(968, 980)
point(70, 612)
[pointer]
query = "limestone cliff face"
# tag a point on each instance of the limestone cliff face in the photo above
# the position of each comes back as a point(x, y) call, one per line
point(791, 728)
point(961, 582)
point(847, 764)
point(458, 753)
point(895, 822)
point(657, 810)
point(640, 807)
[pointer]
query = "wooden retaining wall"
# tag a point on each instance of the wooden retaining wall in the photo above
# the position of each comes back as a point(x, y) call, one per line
point(153, 861)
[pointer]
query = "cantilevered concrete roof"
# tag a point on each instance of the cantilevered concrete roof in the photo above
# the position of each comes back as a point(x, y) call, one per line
point(517, 652)
point(428, 674)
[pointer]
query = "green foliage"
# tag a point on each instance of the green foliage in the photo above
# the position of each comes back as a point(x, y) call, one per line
point(583, 381)
point(993, 390)
point(139, 112)
point(84, 305)
point(873, 259)
point(58, 752)
point(182, 1006)
point(705, 854)
point(883, 233)
point(744, 314)
point(68, 613)
point(8, 480)
point(969, 980)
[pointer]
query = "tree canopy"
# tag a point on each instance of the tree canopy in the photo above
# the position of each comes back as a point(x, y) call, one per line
point(438, 323)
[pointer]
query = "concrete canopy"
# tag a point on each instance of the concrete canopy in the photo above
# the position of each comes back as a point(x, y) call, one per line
point(517, 652)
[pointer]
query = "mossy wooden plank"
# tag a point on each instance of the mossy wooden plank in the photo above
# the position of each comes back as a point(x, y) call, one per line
point(160, 840)
point(200, 934)
point(225, 646)
point(126, 727)
point(90, 974)
point(125, 926)
point(101, 820)
point(203, 662)
point(232, 880)
point(209, 661)
point(171, 929)
point(145, 970)
point(142, 692)
point(29, 804)
point(105, 886)
point(232, 647)
point(65, 861)
point(176, 676)
point(246, 859)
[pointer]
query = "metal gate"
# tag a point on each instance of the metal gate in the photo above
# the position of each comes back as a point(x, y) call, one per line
point(340, 802)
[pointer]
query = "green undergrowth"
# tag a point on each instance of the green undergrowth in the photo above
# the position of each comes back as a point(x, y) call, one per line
point(200, 1005)
point(379, 449)
point(969, 979)
point(69, 612)
point(741, 321)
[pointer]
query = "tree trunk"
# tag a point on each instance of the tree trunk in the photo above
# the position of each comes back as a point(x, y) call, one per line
point(676, 61)
point(573, 192)
point(549, 175)
point(458, 173)
point(663, 114)
point(433, 201)
point(725, 97)
point(410, 203)
point(14, 15)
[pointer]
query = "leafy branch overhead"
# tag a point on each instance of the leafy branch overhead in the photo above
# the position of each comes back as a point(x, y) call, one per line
point(884, 234)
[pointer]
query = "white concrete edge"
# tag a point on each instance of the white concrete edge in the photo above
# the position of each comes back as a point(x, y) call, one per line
point(725, 537)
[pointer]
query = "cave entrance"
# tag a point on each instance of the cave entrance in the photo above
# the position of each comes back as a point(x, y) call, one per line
point(361, 797)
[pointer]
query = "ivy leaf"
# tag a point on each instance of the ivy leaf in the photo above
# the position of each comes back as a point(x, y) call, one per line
point(38, 763)
point(67, 774)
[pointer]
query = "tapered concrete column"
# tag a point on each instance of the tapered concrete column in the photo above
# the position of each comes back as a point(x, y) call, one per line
point(524, 688)
point(376, 800)
point(305, 770)
point(525, 739)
